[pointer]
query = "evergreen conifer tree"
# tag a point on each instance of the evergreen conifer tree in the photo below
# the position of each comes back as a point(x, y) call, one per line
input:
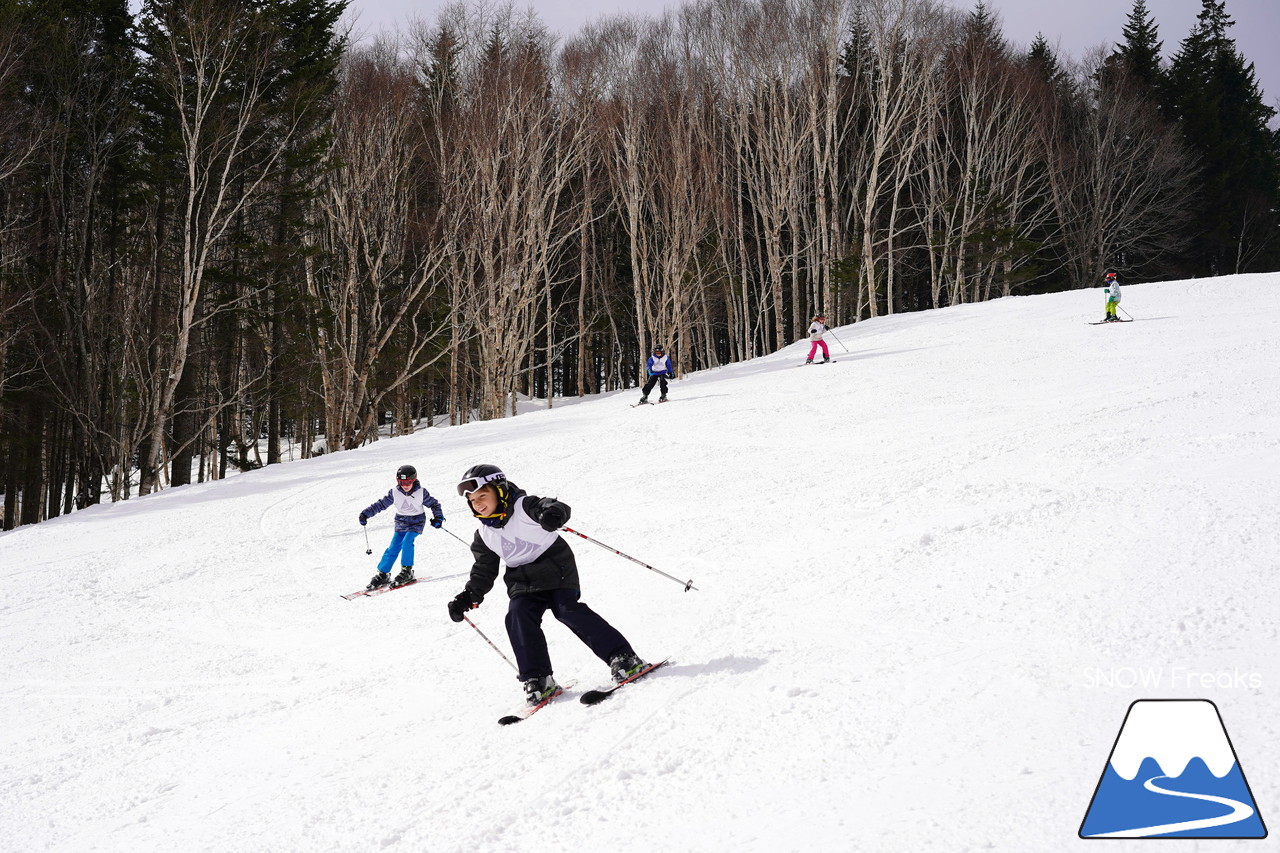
point(983, 26)
point(1139, 53)
point(311, 52)
point(75, 83)
point(1044, 61)
point(1214, 93)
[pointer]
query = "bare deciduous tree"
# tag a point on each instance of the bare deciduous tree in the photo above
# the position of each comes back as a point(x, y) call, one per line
point(18, 143)
point(507, 160)
point(1122, 178)
point(375, 278)
point(213, 69)
point(896, 85)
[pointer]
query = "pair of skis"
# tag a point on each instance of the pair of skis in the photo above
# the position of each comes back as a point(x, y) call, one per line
point(379, 590)
point(591, 697)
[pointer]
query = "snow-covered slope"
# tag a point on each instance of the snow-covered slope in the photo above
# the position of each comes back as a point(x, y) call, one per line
point(929, 576)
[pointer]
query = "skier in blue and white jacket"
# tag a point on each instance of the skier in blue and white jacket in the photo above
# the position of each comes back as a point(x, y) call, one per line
point(660, 370)
point(411, 500)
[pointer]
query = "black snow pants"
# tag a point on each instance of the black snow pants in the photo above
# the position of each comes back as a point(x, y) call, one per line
point(653, 380)
point(524, 628)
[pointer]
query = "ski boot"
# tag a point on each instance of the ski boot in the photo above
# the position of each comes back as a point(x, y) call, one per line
point(644, 399)
point(405, 576)
point(623, 666)
point(538, 690)
point(808, 361)
point(381, 579)
point(662, 399)
point(825, 359)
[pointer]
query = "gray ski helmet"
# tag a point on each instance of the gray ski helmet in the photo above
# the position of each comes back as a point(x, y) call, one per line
point(477, 476)
point(406, 472)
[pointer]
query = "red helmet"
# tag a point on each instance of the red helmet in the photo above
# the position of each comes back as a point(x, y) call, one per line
point(1110, 276)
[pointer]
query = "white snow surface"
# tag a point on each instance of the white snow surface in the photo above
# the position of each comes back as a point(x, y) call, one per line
point(928, 575)
point(1173, 733)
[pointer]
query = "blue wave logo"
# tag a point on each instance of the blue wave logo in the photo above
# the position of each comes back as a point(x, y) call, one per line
point(1173, 773)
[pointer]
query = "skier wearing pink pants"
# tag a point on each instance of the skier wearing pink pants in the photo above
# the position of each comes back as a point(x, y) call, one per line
point(816, 328)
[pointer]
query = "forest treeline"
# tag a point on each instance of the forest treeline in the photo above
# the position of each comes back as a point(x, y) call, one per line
point(227, 229)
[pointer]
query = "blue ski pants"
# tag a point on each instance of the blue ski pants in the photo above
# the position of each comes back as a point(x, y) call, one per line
point(402, 546)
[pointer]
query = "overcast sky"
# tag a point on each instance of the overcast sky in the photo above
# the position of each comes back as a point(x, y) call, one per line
point(1075, 25)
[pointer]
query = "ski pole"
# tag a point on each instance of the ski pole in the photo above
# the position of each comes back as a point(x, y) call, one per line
point(840, 342)
point(491, 645)
point(1126, 313)
point(368, 549)
point(456, 536)
point(688, 585)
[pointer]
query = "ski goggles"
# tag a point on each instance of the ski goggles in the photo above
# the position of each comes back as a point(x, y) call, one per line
point(474, 484)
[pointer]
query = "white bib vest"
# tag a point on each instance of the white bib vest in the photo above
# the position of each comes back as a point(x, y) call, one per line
point(521, 540)
point(410, 504)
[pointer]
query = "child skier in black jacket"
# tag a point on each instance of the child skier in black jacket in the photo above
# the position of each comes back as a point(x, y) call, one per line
point(541, 576)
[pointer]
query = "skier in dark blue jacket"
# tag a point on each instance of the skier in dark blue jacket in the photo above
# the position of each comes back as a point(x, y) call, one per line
point(660, 369)
point(411, 500)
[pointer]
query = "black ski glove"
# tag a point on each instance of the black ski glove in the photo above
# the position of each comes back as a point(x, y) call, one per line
point(552, 514)
point(436, 522)
point(364, 519)
point(462, 602)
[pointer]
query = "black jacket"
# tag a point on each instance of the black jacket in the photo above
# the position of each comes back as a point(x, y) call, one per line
point(555, 568)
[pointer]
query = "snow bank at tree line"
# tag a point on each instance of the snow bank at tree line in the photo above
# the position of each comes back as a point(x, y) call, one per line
point(932, 577)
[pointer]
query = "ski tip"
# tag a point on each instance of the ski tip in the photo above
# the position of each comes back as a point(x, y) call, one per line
point(526, 713)
point(593, 697)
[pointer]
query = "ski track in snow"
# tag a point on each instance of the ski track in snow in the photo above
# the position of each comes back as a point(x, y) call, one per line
point(907, 564)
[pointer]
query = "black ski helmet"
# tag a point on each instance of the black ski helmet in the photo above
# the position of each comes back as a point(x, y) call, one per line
point(659, 349)
point(406, 472)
